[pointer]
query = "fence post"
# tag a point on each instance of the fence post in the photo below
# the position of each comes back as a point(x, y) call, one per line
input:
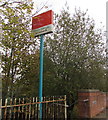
point(11, 108)
point(36, 112)
point(5, 113)
point(30, 110)
point(14, 111)
point(26, 108)
point(33, 108)
point(19, 109)
point(1, 109)
point(53, 108)
point(23, 108)
point(46, 108)
point(65, 108)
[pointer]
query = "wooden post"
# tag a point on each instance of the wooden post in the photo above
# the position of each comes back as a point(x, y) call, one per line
point(14, 108)
point(65, 108)
point(57, 109)
point(46, 107)
point(26, 110)
point(33, 108)
point(5, 113)
point(36, 109)
point(30, 109)
point(53, 109)
point(11, 108)
point(49, 110)
point(19, 109)
point(23, 108)
point(1, 109)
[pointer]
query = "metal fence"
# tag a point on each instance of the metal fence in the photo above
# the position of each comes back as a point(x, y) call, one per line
point(54, 107)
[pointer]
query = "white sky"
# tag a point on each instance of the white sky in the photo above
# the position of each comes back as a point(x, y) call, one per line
point(96, 8)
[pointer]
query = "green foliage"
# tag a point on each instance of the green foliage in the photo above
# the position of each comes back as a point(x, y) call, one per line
point(27, 84)
point(17, 43)
point(73, 55)
point(75, 52)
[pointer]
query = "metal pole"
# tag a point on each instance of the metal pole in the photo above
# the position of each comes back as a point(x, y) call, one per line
point(107, 34)
point(106, 48)
point(41, 75)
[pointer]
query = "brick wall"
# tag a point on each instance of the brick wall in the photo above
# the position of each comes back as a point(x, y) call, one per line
point(91, 103)
point(107, 100)
point(83, 104)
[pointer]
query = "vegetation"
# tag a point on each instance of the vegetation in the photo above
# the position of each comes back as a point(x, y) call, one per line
point(73, 56)
point(17, 43)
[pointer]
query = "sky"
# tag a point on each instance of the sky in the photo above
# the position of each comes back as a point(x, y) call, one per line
point(96, 8)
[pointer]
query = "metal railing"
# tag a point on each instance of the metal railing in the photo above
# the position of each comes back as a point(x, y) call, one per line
point(28, 108)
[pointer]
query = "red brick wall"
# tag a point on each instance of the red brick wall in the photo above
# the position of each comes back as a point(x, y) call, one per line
point(91, 103)
point(83, 104)
point(106, 100)
point(97, 103)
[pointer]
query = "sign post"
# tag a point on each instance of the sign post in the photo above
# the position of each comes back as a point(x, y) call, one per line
point(41, 75)
point(42, 24)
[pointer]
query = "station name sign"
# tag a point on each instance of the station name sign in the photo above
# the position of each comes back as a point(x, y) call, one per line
point(43, 23)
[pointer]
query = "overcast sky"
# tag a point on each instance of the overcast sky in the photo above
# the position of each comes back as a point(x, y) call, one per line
point(96, 8)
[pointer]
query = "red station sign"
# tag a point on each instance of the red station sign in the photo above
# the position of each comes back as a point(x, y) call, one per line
point(43, 23)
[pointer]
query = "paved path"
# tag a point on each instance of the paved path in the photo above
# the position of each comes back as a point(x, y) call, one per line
point(103, 114)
